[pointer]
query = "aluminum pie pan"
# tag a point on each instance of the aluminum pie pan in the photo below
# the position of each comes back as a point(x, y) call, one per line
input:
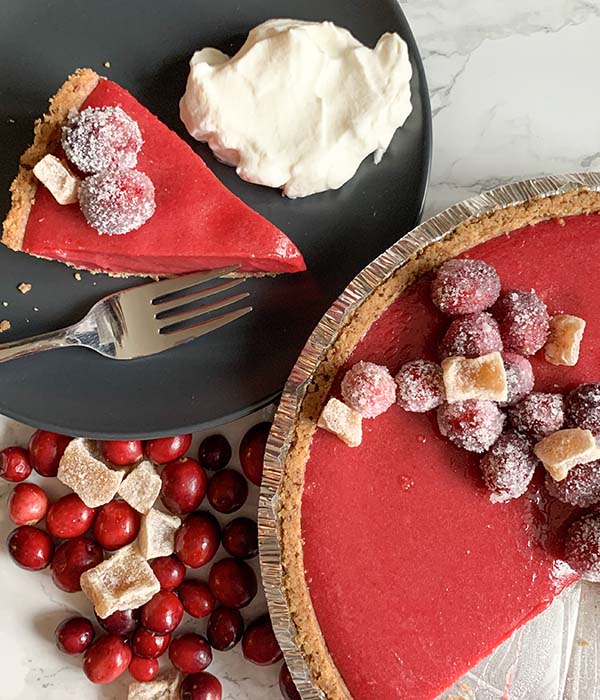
point(325, 334)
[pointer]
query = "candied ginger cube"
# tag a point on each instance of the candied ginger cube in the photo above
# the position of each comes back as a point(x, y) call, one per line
point(55, 175)
point(564, 341)
point(343, 421)
point(91, 479)
point(564, 449)
point(482, 378)
point(123, 582)
point(140, 488)
point(157, 534)
point(163, 688)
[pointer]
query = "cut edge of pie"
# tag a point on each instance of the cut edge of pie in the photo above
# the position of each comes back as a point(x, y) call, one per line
point(307, 633)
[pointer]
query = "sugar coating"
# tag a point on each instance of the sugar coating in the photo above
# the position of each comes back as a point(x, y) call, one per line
point(343, 421)
point(564, 340)
point(164, 688)
point(508, 467)
point(420, 386)
point(369, 389)
point(56, 177)
point(475, 378)
point(157, 534)
point(538, 414)
point(472, 425)
point(519, 377)
point(140, 488)
point(90, 478)
point(582, 547)
point(581, 486)
point(101, 138)
point(523, 320)
point(583, 407)
point(471, 336)
point(123, 582)
point(463, 286)
point(564, 449)
point(118, 201)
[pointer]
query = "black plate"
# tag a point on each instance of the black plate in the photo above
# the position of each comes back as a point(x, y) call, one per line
point(238, 368)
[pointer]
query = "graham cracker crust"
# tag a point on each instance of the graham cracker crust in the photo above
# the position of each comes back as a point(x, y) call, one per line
point(307, 633)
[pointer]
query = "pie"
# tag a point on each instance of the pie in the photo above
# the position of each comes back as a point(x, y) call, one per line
point(198, 224)
point(399, 572)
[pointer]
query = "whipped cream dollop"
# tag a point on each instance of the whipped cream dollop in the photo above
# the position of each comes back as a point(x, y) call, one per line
point(300, 105)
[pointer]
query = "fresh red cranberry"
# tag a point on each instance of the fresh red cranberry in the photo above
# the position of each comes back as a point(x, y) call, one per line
point(69, 517)
point(107, 658)
point(121, 622)
point(30, 547)
point(581, 486)
point(117, 524)
point(148, 645)
point(123, 453)
point(463, 286)
point(368, 388)
point(252, 451)
point(538, 414)
point(583, 408)
point(472, 425)
point(233, 583)
point(582, 547)
point(286, 684)
point(167, 449)
point(14, 464)
point(162, 613)
point(45, 451)
point(259, 644)
point(71, 559)
point(519, 378)
point(214, 452)
point(420, 386)
point(196, 597)
point(240, 538)
point(201, 686)
point(523, 320)
point(225, 628)
point(190, 653)
point(471, 336)
point(143, 670)
point(74, 636)
point(227, 491)
point(197, 540)
point(27, 504)
point(183, 485)
point(169, 571)
point(508, 467)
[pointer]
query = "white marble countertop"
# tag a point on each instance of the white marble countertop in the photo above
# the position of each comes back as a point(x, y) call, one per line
point(514, 94)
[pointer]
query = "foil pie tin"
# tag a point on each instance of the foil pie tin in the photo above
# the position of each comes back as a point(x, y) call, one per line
point(555, 656)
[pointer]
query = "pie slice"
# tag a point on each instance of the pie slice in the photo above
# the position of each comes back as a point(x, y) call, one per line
point(198, 224)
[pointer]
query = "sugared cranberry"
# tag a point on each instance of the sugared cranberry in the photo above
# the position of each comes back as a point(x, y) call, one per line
point(519, 377)
point(197, 540)
point(538, 414)
point(240, 538)
point(214, 452)
point(286, 685)
point(508, 467)
point(259, 643)
point(143, 670)
point(74, 636)
point(107, 658)
point(117, 524)
point(201, 686)
point(582, 547)
point(227, 491)
point(71, 559)
point(45, 451)
point(169, 571)
point(225, 628)
point(121, 622)
point(523, 320)
point(27, 504)
point(420, 386)
point(123, 453)
point(581, 486)
point(471, 336)
point(190, 653)
point(233, 583)
point(183, 485)
point(369, 389)
point(14, 464)
point(148, 645)
point(167, 449)
point(472, 425)
point(30, 547)
point(196, 597)
point(583, 408)
point(252, 451)
point(162, 613)
point(69, 517)
point(465, 287)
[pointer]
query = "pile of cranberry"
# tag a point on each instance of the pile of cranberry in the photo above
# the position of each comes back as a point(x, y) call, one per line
point(75, 539)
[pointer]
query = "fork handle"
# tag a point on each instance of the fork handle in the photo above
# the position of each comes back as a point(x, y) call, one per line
point(37, 343)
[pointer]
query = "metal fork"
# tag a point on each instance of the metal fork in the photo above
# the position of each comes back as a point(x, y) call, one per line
point(143, 320)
